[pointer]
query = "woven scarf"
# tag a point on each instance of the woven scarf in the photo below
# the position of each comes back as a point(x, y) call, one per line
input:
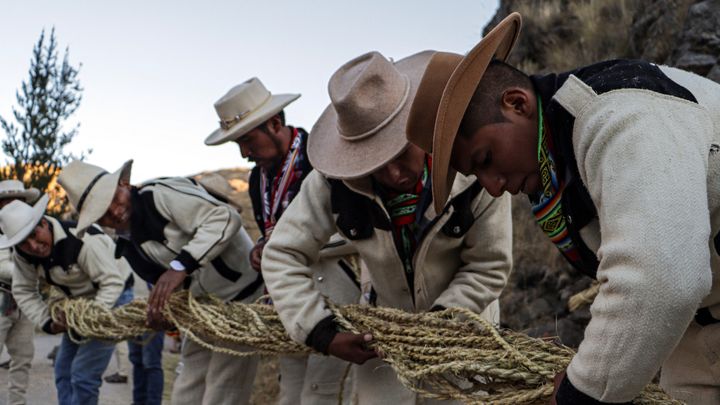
point(547, 203)
point(403, 210)
point(275, 189)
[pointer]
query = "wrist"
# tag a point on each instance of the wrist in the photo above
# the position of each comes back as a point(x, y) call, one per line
point(176, 265)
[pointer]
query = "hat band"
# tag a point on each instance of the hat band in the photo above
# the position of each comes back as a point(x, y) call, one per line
point(396, 111)
point(227, 124)
point(88, 189)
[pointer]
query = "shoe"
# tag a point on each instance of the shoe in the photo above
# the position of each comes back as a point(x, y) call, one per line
point(116, 378)
point(5, 365)
point(53, 353)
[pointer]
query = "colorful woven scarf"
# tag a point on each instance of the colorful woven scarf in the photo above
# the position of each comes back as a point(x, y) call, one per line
point(547, 204)
point(275, 190)
point(403, 210)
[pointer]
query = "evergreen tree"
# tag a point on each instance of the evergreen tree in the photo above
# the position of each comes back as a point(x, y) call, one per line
point(35, 142)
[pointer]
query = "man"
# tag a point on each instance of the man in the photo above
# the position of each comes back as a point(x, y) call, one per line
point(281, 164)
point(374, 189)
point(48, 249)
point(174, 233)
point(16, 330)
point(620, 161)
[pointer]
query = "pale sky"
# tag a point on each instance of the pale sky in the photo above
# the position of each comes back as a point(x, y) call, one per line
point(153, 69)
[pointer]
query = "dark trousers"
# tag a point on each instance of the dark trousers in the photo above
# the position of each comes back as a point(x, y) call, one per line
point(146, 357)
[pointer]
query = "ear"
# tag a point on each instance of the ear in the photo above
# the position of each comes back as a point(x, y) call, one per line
point(274, 123)
point(517, 101)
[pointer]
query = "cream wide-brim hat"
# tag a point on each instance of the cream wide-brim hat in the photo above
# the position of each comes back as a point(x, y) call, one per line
point(448, 103)
point(336, 157)
point(16, 189)
point(91, 189)
point(245, 107)
point(19, 219)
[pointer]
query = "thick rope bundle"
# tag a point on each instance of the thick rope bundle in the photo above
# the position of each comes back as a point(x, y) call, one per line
point(583, 298)
point(450, 354)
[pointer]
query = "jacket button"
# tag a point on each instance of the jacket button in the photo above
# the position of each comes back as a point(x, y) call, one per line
point(353, 232)
point(320, 279)
point(314, 387)
point(456, 230)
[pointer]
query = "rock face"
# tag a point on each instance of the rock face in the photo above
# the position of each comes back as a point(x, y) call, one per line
point(699, 46)
point(562, 34)
point(657, 28)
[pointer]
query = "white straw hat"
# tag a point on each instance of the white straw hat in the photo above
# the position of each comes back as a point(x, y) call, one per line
point(18, 220)
point(16, 189)
point(243, 108)
point(91, 189)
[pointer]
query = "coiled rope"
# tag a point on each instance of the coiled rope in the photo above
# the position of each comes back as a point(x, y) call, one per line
point(450, 354)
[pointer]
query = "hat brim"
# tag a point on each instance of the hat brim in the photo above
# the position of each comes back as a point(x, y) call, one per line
point(274, 105)
point(30, 195)
point(100, 197)
point(338, 158)
point(38, 210)
point(498, 43)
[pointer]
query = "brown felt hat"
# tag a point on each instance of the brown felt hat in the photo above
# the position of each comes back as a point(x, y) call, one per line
point(363, 129)
point(444, 94)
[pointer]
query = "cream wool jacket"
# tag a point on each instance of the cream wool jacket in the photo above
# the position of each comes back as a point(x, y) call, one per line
point(6, 266)
point(84, 267)
point(651, 164)
point(468, 272)
point(175, 219)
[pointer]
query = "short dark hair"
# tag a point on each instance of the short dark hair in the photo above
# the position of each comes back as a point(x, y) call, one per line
point(263, 126)
point(484, 107)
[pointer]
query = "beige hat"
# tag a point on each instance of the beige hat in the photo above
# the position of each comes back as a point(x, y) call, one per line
point(364, 127)
point(18, 219)
point(16, 189)
point(243, 108)
point(91, 189)
point(217, 186)
point(443, 97)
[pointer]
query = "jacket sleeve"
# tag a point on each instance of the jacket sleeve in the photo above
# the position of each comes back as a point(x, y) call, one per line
point(303, 229)
point(212, 224)
point(26, 292)
point(6, 265)
point(97, 259)
point(486, 256)
point(643, 157)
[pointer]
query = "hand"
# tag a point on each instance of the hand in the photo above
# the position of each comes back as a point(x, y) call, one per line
point(352, 347)
point(61, 320)
point(160, 294)
point(557, 381)
point(158, 322)
point(56, 327)
point(256, 255)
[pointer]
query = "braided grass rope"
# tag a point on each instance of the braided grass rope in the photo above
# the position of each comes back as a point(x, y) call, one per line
point(450, 354)
point(583, 298)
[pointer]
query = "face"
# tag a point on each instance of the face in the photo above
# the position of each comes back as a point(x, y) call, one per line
point(118, 214)
point(263, 146)
point(6, 201)
point(503, 156)
point(40, 242)
point(402, 173)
